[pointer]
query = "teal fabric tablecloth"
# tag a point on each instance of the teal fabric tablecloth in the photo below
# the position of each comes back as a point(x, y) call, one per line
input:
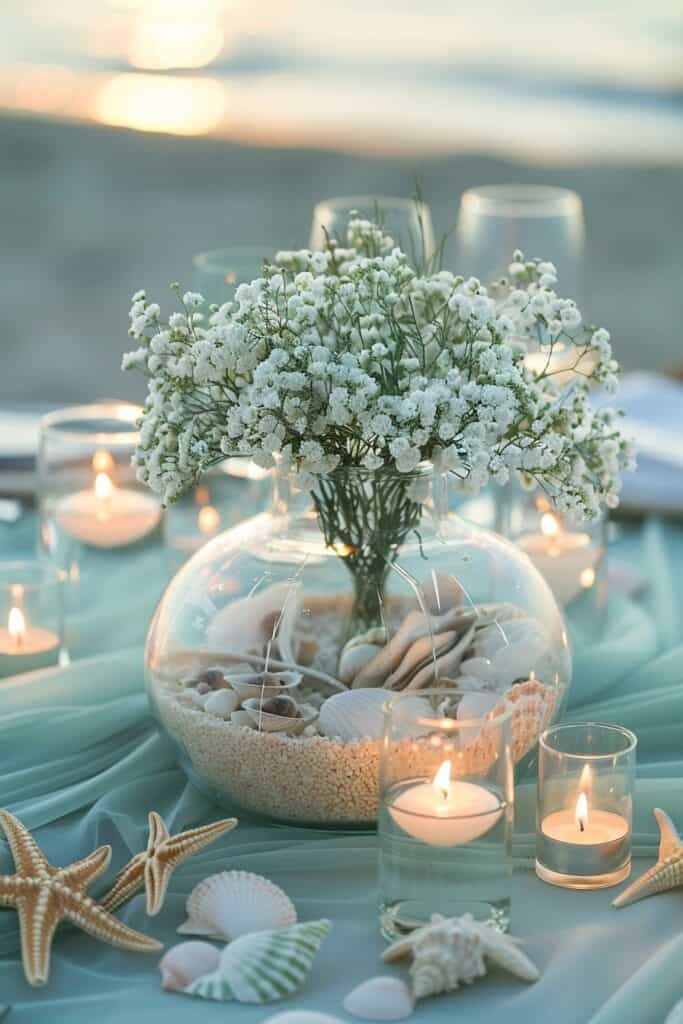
point(81, 763)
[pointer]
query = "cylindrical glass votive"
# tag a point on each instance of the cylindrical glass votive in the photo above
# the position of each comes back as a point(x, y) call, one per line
point(586, 775)
point(571, 557)
point(90, 500)
point(218, 274)
point(31, 617)
point(233, 491)
point(446, 809)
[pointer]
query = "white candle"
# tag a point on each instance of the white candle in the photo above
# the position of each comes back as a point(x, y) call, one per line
point(24, 648)
point(446, 812)
point(107, 516)
point(567, 560)
point(593, 829)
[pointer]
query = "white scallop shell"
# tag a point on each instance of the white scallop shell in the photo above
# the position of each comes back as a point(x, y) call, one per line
point(380, 998)
point(234, 903)
point(302, 1017)
point(354, 714)
point(222, 703)
point(358, 714)
point(186, 962)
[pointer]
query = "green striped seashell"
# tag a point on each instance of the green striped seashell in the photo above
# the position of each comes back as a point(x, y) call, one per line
point(263, 966)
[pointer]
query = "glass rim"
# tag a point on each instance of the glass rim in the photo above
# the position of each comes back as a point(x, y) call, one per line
point(451, 725)
point(521, 200)
point(57, 422)
point(220, 260)
point(544, 740)
point(44, 573)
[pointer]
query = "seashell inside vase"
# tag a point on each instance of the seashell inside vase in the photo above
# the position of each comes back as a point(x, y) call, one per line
point(280, 714)
point(261, 623)
point(247, 684)
point(233, 903)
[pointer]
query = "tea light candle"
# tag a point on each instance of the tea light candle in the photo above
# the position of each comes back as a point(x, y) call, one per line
point(446, 812)
point(567, 560)
point(24, 648)
point(107, 516)
point(585, 839)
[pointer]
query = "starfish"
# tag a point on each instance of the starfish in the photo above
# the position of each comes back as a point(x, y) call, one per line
point(44, 895)
point(152, 869)
point(667, 873)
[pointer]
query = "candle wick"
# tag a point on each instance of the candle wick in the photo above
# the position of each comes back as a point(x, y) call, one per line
point(582, 827)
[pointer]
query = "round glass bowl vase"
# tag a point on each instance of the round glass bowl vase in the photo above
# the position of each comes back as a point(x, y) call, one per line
point(275, 647)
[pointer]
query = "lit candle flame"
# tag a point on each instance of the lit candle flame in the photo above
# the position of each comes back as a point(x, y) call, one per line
point(103, 487)
point(581, 814)
point(102, 461)
point(442, 780)
point(16, 625)
point(208, 519)
point(550, 527)
point(587, 578)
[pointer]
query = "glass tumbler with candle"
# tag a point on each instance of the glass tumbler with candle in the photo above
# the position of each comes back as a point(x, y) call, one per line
point(446, 808)
point(91, 503)
point(586, 775)
point(407, 221)
point(31, 617)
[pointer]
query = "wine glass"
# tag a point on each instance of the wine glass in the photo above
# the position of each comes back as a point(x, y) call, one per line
point(407, 221)
point(216, 274)
point(542, 221)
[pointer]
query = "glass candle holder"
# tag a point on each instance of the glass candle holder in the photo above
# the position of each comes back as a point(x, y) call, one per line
point(90, 500)
point(586, 776)
point(446, 809)
point(233, 491)
point(31, 617)
point(408, 221)
point(217, 274)
point(571, 557)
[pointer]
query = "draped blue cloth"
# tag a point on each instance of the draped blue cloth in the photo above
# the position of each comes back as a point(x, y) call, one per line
point(82, 763)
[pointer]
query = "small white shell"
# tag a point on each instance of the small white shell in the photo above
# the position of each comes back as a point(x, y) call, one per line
point(357, 714)
point(380, 998)
point(186, 962)
point(265, 722)
point(261, 685)
point(302, 1017)
point(234, 903)
point(198, 698)
point(241, 717)
point(222, 703)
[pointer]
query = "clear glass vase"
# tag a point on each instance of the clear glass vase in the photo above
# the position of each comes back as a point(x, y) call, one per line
point(275, 648)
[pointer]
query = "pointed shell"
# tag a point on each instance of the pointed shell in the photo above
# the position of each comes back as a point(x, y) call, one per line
point(186, 962)
point(263, 966)
point(234, 903)
point(380, 998)
point(445, 956)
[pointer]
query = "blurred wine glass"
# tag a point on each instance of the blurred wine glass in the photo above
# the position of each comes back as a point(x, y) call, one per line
point(216, 274)
point(407, 221)
point(542, 221)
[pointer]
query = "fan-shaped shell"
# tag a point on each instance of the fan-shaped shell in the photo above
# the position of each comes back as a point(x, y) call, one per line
point(354, 714)
point(263, 966)
point(381, 998)
point(184, 963)
point(234, 903)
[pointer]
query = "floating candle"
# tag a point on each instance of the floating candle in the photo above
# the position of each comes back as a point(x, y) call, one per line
point(107, 516)
point(24, 648)
point(446, 812)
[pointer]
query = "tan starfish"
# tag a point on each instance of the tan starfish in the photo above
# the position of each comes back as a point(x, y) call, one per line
point(667, 873)
point(44, 895)
point(152, 869)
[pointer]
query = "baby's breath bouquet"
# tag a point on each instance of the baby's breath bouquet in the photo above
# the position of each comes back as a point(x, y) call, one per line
point(355, 369)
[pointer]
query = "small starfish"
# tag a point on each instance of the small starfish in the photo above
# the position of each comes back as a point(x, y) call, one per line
point(667, 873)
point(44, 895)
point(152, 869)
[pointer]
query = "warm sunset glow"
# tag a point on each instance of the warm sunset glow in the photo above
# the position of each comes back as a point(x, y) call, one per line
point(549, 525)
point(208, 519)
point(442, 780)
point(16, 625)
point(581, 813)
point(182, 40)
point(178, 106)
point(102, 461)
point(103, 487)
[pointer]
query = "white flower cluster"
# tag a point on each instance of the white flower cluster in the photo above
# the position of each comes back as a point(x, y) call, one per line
point(348, 357)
